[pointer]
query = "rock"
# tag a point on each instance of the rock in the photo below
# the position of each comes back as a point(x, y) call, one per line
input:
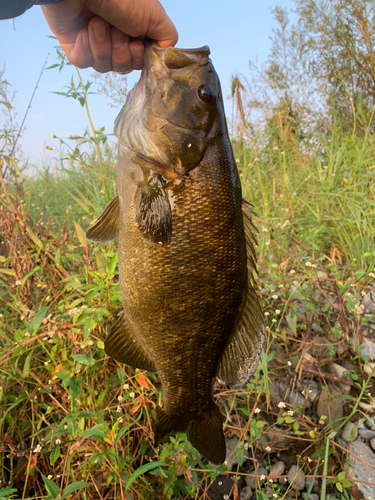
point(330, 405)
point(368, 302)
point(367, 348)
point(341, 372)
point(340, 349)
point(277, 470)
point(254, 481)
point(349, 432)
point(296, 478)
point(312, 496)
point(277, 438)
point(372, 443)
point(312, 479)
point(369, 368)
point(263, 444)
point(246, 493)
point(310, 389)
point(357, 470)
point(366, 434)
point(232, 460)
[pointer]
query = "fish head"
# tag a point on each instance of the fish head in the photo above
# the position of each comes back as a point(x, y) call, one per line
point(174, 111)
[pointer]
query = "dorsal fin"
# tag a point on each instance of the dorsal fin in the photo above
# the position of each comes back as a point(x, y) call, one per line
point(240, 358)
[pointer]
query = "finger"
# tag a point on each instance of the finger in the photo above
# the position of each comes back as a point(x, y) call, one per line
point(78, 52)
point(137, 50)
point(121, 57)
point(100, 43)
point(147, 18)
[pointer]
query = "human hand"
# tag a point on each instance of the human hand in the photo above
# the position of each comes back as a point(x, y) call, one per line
point(100, 33)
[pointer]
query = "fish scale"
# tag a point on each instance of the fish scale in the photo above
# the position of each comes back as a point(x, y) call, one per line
point(189, 308)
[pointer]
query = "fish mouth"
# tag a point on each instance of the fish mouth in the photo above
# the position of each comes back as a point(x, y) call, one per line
point(157, 57)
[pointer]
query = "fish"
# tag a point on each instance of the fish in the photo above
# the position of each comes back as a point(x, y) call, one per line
point(186, 246)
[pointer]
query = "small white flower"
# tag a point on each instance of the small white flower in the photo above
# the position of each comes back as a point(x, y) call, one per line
point(274, 297)
point(266, 313)
point(125, 386)
point(270, 480)
point(132, 395)
point(262, 477)
point(277, 311)
point(281, 404)
point(58, 441)
point(118, 410)
point(267, 243)
point(313, 265)
point(257, 410)
point(65, 427)
point(325, 166)
point(18, 282)
point(246, 446)
point(292, 271)
point(275, 148)
point(268, 448)
point(290, 413)
point(265, 230)
point(363, 293)
point(372, 275)
point(37, 449)
point(273, 321)
point(289, 363)
point(120, 398)
point(308, 264)
point(50, 476)
point(281, 286)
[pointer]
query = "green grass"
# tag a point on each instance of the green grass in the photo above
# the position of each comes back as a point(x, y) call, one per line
point(73, 419)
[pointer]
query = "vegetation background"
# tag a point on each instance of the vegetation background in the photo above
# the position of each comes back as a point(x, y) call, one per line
point(76, 424)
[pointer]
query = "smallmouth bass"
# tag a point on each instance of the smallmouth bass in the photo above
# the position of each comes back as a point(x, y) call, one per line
point(185, 243)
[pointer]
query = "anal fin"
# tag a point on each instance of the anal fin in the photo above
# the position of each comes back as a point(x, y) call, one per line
point(122, 345)
point(240, 358)
point(105, 228)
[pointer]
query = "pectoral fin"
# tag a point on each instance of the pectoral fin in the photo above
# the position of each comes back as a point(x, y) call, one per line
point(122, 345)
point(105, 228)
point(153, 211)
point(240, 358)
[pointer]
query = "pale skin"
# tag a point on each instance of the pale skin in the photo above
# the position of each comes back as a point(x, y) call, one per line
point(100, 33)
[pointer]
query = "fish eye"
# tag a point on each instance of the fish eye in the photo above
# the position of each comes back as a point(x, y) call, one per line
point(205, 93)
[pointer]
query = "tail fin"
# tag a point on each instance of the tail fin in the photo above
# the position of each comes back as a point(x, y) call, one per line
point(205, 434)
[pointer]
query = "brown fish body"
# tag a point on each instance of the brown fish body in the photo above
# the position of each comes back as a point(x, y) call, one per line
point(183, 256)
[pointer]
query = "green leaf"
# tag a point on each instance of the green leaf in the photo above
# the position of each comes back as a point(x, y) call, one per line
point(68, 490)
point(4, 492)
point(341, 476)
point(292, 322)
point(51, 487)
point(55, 454)
point(26, 366)
point(84, 360)
point(30, 274)
point(37, 320)
point(339, 487)
point(142, 470)
point(289, 420)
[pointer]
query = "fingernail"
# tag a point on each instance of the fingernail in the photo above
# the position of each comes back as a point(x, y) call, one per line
point(100, 30)
point(118, 38)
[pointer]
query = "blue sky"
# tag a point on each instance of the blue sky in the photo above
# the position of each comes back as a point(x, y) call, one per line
point(236, 31)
